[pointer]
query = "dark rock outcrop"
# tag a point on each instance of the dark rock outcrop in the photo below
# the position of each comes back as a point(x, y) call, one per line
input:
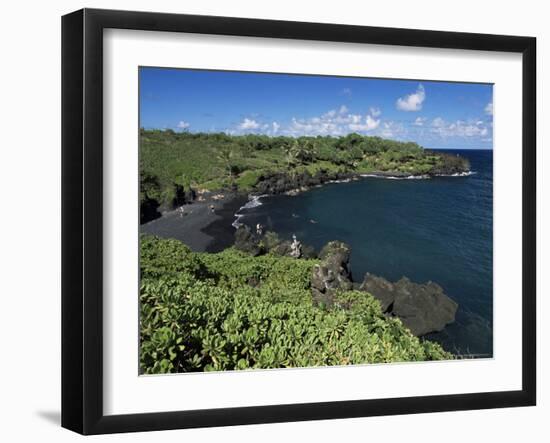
point(337, 252)
point(332, 274)
point(382, 289)
point(450, 164)
point(280, 182)
point(422, 308)
point(190, 195)
point(247, 241)
point(282, 249)
point(180, 196)
point(308, 252)
point(148, 210)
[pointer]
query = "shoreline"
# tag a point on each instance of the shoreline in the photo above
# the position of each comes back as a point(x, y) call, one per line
point(209, 223)
point(346, 177)
point(254, 200)
point(205, 225)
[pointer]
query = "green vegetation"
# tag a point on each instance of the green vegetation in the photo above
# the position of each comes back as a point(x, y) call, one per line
point(172, 163)
point(225, 311)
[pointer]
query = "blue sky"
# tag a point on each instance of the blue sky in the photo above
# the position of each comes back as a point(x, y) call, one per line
point(433, 114)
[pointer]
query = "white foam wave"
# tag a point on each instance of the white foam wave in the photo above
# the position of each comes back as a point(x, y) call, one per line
point(236, 224)
point(395, 177)
point(458, 174)
point(253, 202)
point(342, 180)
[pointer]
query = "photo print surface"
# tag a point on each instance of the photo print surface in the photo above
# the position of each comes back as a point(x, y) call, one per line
point(292, 221)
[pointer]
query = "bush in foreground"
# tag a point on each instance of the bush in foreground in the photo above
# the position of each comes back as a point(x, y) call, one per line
point(226, 311)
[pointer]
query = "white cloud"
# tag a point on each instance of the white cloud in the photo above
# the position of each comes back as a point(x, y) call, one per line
point(346, 92)
point(489, 108)
point(412, 102)
point(438, 122)
point(314, 126)
point(460, 128)
point(183, 125)
point(248, 123)
point(375, 112)
point(354, 118)
point(369, 124)
point(419, 121)
point(391, 129)
point(387, 130)
point(333, 122)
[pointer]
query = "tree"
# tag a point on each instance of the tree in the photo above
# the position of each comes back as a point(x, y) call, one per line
point(305, 150)
point(225, 155)
point(289, 150)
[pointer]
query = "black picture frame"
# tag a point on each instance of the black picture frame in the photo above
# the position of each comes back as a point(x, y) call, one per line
point(82, 218)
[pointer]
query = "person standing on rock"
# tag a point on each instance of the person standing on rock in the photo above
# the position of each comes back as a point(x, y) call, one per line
point(295, 247)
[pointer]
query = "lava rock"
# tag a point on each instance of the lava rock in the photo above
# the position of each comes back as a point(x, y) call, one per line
point(280, 182)
point(149, 210)
point(282, 249)
point(247, 241)
point(382, 289)
point(332, 274)
point(338, 253)
point(308, 252)
point(422, 308)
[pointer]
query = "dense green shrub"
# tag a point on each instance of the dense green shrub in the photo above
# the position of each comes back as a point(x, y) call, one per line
point(203, 312)
point(215, 161)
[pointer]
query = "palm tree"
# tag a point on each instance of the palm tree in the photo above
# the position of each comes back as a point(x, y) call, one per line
point(307, 151)
point(289, 151)
point(225, 155)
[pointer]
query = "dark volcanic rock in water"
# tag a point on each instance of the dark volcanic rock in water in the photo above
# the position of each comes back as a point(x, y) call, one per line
point(332, 274)
point(423, 308)
point(382, 289)
point(450, 164)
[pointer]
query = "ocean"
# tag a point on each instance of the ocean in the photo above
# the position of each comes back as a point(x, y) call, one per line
point(438, 229)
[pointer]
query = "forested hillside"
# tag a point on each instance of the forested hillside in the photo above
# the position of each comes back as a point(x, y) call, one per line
point(173, 165)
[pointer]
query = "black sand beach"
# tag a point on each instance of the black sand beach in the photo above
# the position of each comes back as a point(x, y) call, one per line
point(200, 227)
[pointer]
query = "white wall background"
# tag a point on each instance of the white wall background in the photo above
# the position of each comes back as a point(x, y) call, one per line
point(30, 221)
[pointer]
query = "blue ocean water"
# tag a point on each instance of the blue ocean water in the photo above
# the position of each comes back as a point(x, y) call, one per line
point(438, 229)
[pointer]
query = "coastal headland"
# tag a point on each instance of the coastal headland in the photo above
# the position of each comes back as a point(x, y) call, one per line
point(175, 167)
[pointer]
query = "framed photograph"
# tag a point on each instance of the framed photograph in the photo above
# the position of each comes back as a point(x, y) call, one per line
point(268, 221)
